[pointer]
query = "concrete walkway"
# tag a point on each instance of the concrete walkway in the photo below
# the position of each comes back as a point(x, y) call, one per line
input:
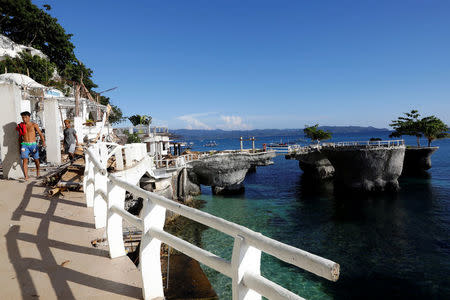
point(46, 250)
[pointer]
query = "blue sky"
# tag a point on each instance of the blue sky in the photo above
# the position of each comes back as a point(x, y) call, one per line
point(265, 64)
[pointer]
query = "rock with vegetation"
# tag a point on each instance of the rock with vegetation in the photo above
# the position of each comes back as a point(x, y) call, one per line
point(431, 127)
point(418, 159)
point(316, 134)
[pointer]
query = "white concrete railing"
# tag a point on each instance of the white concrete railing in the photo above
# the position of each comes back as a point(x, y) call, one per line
point(108, 192)
point(176, 162)
point(388, 143)
point(306, 149)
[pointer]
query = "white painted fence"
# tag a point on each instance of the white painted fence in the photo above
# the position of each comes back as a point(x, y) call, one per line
point(388, 143)
point(372, 144)
point(177, 162)
point(106, 192)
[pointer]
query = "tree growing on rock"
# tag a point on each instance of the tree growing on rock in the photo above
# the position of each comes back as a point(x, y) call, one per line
point(408, 125)
point(316, 134)
point(431, 127)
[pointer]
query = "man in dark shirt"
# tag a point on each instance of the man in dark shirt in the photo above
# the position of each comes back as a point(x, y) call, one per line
point(70, 139)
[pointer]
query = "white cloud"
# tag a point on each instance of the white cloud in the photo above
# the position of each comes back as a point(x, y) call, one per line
point(212, 120)
point(192, 121)
point(234, 122)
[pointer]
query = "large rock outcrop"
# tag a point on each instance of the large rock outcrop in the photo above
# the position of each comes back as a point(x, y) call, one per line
point(313, 163)
point(225, 171)
point(367, 168)
point(417, 159)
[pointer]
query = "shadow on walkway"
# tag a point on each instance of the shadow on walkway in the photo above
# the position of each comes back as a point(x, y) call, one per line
point(59, 275)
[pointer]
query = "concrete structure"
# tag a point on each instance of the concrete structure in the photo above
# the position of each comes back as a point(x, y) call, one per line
point(48, 108)
point(244, 267)
point(158, 141)
point(10, 102)
point(53, 129)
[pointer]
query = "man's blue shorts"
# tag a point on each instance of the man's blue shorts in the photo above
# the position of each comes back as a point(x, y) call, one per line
point(27, 149)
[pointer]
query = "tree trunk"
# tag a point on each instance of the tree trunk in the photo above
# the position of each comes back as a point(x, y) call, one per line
point(429, 142)
point(418, 141)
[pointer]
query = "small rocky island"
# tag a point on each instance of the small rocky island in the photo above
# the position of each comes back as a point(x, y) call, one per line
point(362, 166)
point(225, 171)
point(418, 159)
point(367, 167)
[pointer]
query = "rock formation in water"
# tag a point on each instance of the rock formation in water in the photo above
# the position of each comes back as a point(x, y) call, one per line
point(367, 168)
point(226, 171)
point(417, 159)
point(313, 163)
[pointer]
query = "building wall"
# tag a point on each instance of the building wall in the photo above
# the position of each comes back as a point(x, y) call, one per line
point(11, 100)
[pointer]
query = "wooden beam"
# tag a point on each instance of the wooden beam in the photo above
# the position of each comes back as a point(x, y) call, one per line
point(77, 99)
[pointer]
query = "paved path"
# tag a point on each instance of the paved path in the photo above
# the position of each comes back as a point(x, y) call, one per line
point(46, 251)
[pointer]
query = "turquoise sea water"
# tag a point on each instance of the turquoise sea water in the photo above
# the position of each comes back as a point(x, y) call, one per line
point(389, 245)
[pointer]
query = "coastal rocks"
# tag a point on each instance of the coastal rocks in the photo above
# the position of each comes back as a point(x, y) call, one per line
point(367, 168)
point(417, 159)
point(192, 188)
point(226, 171)
point(314, 163)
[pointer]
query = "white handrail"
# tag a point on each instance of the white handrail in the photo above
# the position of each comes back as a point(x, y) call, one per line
point(244, 268)
point(310, 262)
point(372, 144)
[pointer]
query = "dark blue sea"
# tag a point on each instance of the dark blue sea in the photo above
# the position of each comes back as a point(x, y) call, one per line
point(389, 245)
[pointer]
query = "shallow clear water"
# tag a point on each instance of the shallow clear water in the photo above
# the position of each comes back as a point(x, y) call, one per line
point(389, 245)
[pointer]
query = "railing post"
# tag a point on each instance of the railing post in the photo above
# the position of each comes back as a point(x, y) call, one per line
point(245, 259)
point(116, 196)
point(88, 181)
point(149, 256)
point(100, 195)
point(119, 158)
point(128, 155)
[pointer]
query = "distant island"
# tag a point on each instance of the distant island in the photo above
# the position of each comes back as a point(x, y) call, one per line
point(195, 134)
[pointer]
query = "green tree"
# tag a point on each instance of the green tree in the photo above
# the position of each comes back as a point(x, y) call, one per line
point(408, 125)
point(77, 71)
point(140, 120)
point(316, 134)
point(40, 69)
point(27, 24)
point(433, 128)
point(133, 138)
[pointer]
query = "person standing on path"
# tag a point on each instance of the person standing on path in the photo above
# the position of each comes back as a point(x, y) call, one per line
point(27, 140)
point(70, 139)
